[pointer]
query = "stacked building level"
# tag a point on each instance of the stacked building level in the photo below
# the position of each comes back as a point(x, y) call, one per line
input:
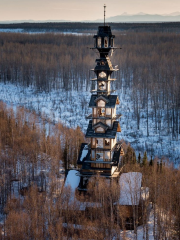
point(103, 154)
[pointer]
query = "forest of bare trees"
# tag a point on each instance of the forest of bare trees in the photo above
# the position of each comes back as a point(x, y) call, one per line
point(148, 62)
point(33, 150)
point(37, 206)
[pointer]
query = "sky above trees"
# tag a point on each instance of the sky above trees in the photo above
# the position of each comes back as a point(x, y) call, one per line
point(78, 10)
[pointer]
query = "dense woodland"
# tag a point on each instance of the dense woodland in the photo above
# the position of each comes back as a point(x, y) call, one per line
point(148, 63)
point(37, 206)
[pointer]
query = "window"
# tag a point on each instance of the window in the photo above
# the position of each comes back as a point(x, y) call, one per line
point(101, 112)
point(107, 142)
point(100, 142)
point(106, 42)
point(102, 75)
point(99, 156)
point(102, 85)
point(108, 111)
point(92, 154)
point(107, 156)
point(99, 43)
point(112, 42)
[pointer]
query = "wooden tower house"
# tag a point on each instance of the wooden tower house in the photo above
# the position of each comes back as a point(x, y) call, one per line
point(103, 154)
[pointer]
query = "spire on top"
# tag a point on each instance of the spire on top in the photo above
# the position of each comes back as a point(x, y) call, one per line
point(104, 13)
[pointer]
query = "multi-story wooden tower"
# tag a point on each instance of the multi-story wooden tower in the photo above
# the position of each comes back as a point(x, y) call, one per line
point(103, 154)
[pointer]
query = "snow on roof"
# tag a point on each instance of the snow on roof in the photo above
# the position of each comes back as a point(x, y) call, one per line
point(72, 179)
point(84, 152)
point(130, 188)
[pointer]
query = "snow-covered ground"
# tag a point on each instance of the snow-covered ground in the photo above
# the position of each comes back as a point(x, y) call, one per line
point(71, 107)
point(18, 30)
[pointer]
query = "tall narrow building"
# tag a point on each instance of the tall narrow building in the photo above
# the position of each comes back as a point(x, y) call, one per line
point(103, 154)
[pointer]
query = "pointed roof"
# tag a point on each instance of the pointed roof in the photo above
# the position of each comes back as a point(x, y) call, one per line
point(100, 124)
point(110, 133)
point(104, 98)
point(112, 100)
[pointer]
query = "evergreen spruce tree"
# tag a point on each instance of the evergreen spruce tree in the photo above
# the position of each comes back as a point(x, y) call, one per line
point(130, 156)
point(144, 161)
point(139, 158)
point(133, 157)
point(151, 162)
point(161, 165)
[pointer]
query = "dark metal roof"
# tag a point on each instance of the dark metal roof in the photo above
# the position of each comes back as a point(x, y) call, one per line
point(111, 101)
point(103, 118)
point(110, 133)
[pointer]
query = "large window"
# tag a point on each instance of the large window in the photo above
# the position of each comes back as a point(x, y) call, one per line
point(99, 142)
point(107, 142)
point(101, 112)
point(107, 156)
point(108, 111)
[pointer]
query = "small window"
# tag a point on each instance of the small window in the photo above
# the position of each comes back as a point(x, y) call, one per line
point(93, 154)
point(99, 129)
point(102, 63)
point(107, 142)
point(105, 42)
point(99, 43)
point(101, 112)
point(100, 143)
point(99, 156)
point(102, 85)
point(107, 156)
point(108, 111)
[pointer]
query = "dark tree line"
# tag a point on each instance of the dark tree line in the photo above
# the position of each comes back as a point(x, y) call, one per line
point(79, 26)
